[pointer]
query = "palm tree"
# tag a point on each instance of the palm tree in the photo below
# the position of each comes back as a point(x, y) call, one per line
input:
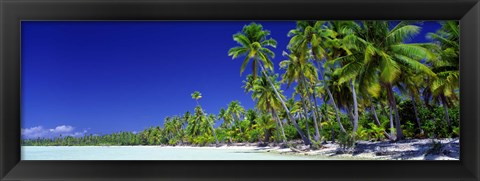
point(265, 122)
point(211, 121)
point(344, 48)
point(299, 69)
point(236, 110)
point(266, 99)
point(254, 46)
point(227, 121)
point(309, 35)
point(170, 128)
point(201, 119)
point(446, 64)
point(386, 56)
point(196, 95)
point(410, 86)
point(194, 124)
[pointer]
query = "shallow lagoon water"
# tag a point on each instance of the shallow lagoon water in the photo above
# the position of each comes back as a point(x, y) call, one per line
point(154, 153)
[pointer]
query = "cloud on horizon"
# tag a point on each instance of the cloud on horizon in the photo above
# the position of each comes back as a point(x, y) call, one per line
point(41, 132)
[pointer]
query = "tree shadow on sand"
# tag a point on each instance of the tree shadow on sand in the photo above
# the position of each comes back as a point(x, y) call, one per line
point(407, 150)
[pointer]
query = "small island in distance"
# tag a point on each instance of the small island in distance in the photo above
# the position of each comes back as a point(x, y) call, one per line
point(359, 90)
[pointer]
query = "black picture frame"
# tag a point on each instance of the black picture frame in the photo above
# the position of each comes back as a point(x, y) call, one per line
point(12, 12)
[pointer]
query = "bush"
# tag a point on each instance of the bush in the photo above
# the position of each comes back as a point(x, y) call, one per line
point(456, 131)
point(204, 139)
point(255, 135)
point(434, 123)
point(376, 132)
point(362, 133)
point(316, 145)
point(346, 141)
point(327, 126)
point(290, 132)
point(409, 129)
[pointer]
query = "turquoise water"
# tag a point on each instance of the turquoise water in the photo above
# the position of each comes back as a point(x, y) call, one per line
point(152, 153)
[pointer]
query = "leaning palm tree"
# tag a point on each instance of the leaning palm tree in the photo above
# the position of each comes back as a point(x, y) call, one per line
point(299, 69)
point(313, 36)
point(254, 46)
point(201, 117)
point(211, 121)
point(267, 101)
point(194, 124)
point(344, 48)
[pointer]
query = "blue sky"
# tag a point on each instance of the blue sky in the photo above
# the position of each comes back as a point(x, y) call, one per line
point(100, 77)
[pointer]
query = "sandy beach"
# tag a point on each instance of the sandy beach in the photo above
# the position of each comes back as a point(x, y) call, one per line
point(412, 149)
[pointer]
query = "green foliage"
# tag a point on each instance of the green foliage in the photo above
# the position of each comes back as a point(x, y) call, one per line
point(376, 132)
point(346, 141)
point(456, 131)
point(316, 145)
point(291, 132)
point(434, 123)
point(409, 129)
point(363, 133)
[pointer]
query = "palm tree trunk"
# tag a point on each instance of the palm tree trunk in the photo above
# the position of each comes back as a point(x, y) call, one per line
point(331, 99)
point(306, 117)
point(237, 122)
point(214, 134)
point(267, 135)
point(316, 137)
point(355, 107)
point(445, 108)
point(333, 135)
point(393, 104)
point(416, 114)
point(277, 130)
point(281, 126)
point(305, 139)
point(349, 113)
point(213, 129)
point(229, 127)
point(315, 124)
point(319, 114)
point(277, 126)
point(392, 133)
point(383, 108)
point(374, 111)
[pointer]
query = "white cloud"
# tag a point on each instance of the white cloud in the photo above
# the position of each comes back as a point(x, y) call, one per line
point(62, 129)
point(34, 132)
point(40, 132)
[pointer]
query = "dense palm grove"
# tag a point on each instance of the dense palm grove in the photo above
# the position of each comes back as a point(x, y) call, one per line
point(352, 81)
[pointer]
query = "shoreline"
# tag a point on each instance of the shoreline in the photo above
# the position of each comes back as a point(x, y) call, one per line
point(412, 149)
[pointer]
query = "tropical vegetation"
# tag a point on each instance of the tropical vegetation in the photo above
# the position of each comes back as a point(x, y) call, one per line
point(352, 80)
